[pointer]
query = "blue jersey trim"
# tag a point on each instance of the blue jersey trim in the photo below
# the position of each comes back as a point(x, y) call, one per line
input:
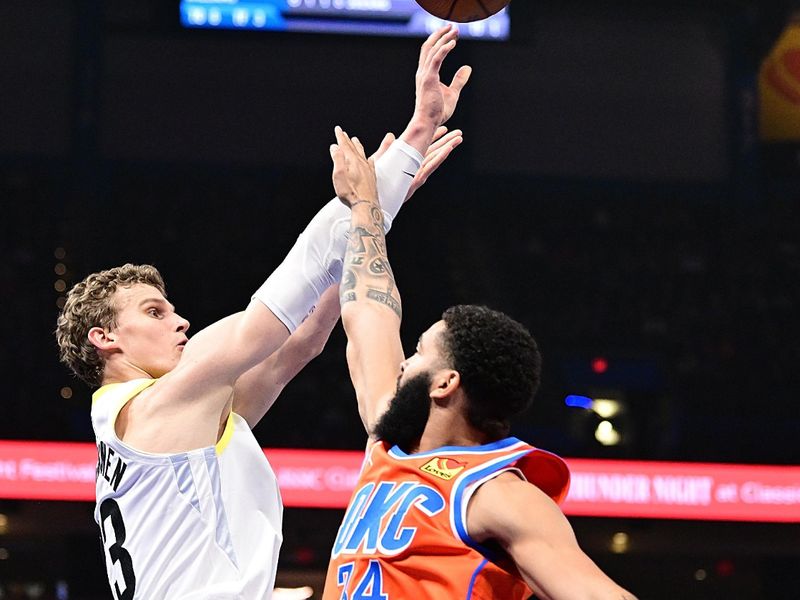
point(475, 577)
point(458, 496)
point(499, 445)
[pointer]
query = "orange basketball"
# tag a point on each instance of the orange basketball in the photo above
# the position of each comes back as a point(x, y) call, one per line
point(463, 11)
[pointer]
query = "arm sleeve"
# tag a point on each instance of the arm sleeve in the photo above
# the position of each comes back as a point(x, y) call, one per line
point(315, 261)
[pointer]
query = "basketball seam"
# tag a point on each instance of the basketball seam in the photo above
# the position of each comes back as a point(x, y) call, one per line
point(483, 8)
point(450, 12)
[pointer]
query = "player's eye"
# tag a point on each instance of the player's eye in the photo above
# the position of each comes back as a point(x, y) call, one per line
point(153, 312)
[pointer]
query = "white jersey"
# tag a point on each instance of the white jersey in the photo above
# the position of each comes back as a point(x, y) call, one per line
point(204, 524)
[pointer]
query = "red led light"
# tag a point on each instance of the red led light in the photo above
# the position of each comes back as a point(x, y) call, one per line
point(725, 568)
point(599, 365)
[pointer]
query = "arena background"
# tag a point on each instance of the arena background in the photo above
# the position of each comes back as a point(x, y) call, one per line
point(613, 193)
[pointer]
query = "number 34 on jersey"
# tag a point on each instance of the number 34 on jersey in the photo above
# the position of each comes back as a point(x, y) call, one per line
point(374, 525)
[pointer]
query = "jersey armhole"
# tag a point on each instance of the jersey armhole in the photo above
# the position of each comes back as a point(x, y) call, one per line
point(470, 491)
point(226, 436)
point(120, 403)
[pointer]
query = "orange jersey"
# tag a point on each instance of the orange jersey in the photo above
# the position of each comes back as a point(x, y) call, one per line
point(404, 535)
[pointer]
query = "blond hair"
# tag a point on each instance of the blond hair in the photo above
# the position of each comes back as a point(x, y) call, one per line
point(90, 304)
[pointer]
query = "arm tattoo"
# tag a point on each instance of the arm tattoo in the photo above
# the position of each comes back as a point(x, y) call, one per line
point(356, 236)
point(348, 281)
point(367, 272)
point(378, 266)
point(386, 299)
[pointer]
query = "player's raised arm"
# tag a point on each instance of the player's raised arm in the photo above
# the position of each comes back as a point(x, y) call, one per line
point(435, 102)
point(401, 168)
point(371, 307)
point(256, 390)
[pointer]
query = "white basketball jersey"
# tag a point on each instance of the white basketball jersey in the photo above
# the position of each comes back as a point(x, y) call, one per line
point(204, 524)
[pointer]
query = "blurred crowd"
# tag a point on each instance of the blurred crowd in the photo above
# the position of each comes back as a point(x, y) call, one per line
point(696, 294)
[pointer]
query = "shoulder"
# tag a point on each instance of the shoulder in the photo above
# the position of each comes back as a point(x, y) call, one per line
point(505, 505)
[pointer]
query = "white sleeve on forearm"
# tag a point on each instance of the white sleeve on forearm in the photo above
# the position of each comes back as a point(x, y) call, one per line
point(315, 261)
point(395, 170)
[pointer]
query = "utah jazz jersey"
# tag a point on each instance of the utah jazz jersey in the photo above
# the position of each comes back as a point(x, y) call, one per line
point(404, 535)
point(204, 524)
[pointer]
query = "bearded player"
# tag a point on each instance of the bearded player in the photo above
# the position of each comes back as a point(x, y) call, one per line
point(447, 505)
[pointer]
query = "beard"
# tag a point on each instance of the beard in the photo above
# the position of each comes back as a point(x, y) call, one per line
point(404, 421)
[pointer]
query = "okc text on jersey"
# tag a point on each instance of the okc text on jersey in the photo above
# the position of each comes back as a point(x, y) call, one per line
point(373, 523)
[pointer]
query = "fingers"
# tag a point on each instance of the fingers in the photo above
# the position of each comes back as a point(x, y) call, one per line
point(339, 161)
point(446, 140)
point(437, 135)
point(348, 145)
point(388, 140)
point(437, 58)
point(431, 42)
point(342, 139)
point(359, 147)
point(461, 78)
point(436, 155)
point(440, 49)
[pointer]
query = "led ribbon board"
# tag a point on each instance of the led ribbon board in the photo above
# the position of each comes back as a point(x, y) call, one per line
point(325, 479)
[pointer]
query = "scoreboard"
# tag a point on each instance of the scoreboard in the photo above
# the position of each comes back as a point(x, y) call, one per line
point(355, 17)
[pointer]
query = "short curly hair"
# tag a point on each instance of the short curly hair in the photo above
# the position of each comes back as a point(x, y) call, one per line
point(498, 361)
point(90, 304)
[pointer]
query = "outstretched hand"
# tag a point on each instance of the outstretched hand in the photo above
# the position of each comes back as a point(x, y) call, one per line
point(435, 100)
point(354, 176)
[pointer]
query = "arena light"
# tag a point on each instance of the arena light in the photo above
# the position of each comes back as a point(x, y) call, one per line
point(599, 365)
point(607, 408)
point(620, 543)
point(575, 401)
point(606, 434)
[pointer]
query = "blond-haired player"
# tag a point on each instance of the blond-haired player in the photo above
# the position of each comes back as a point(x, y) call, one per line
point(187, 504)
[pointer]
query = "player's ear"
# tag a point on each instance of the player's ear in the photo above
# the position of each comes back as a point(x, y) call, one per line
point(102, 339)
point(445, 382)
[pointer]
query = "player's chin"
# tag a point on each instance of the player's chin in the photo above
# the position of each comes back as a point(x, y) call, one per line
point(170, 364)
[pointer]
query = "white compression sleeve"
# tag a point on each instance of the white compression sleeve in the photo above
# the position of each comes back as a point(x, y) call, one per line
point(395, 170)
point(315, 261)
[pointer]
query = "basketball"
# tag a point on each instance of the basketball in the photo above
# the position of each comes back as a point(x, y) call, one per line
point(463, 11)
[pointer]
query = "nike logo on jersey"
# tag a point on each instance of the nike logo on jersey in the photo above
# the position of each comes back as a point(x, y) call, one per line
point(367, 527)
point(409, 174)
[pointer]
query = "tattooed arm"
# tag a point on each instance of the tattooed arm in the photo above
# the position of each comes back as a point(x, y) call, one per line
point(371, 307)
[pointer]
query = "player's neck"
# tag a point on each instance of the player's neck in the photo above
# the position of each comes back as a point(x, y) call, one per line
point(118, 370)
point(449, 429)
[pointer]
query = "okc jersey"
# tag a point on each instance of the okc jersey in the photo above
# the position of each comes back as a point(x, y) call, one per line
point(204, 524)
point(405, 536)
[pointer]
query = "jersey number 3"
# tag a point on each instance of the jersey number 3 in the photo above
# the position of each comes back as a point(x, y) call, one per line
point(109, 510)
point(370, 587)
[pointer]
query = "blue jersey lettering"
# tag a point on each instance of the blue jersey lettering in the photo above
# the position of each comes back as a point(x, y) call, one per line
point(374, 520)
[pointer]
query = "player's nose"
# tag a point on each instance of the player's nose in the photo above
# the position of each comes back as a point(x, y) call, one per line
point(183, 324)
